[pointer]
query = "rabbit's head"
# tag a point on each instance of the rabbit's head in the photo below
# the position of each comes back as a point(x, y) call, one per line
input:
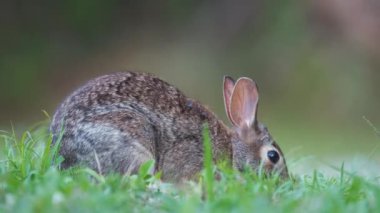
point(252, 144)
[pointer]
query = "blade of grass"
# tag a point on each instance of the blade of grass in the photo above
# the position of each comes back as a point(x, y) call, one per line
point(342, 175)
point(207, 163)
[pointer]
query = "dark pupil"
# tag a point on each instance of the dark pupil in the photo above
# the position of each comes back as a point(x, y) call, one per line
point(273, 156)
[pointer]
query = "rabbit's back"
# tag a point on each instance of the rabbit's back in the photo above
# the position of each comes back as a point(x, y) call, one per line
point(116, 121)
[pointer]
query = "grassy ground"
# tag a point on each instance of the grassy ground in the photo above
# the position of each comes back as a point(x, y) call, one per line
point(30, 181)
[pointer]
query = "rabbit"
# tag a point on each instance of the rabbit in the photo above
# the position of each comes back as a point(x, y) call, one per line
point(116, 122)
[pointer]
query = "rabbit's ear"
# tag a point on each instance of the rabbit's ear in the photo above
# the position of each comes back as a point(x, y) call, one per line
point(228, 86)
point(244, 100)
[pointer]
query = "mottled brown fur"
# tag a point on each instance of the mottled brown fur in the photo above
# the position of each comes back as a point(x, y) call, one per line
point(125, 119)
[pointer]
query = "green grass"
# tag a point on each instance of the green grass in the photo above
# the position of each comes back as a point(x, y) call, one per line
point(30, 181)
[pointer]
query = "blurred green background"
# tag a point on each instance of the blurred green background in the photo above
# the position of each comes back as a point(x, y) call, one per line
point(317, 62)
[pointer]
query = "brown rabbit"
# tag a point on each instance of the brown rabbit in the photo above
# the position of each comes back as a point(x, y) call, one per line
point(116, 122)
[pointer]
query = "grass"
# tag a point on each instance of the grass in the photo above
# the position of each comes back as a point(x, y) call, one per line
point(30, 181)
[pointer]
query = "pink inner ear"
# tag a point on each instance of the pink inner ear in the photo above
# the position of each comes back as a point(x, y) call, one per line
point(244, 100)
point(228, 86)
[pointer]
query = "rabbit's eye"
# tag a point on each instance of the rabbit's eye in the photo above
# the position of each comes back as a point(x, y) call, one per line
point(273, 156)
